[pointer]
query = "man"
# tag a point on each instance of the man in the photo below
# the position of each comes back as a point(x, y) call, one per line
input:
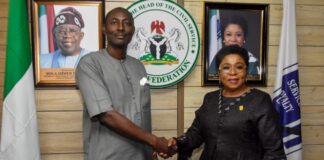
point(68, 35)
point(117, 114)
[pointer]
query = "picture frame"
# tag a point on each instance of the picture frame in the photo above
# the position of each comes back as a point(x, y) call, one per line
point(252, 23)
point(62, 33)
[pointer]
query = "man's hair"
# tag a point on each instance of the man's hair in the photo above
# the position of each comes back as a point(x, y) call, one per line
point(232, 50)
point(238, 20)
point(118, 9)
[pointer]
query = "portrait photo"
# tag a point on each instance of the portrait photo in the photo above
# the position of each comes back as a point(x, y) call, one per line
point(64, 32)
point(244, 25)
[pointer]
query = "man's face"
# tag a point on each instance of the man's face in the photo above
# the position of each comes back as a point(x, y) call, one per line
point(68, 39)
point(119, 28)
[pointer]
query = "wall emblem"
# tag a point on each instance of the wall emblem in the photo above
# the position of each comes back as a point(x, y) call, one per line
point(166, 41)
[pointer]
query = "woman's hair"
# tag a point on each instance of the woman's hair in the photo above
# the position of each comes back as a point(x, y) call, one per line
point(235, 19)
point(230, 50)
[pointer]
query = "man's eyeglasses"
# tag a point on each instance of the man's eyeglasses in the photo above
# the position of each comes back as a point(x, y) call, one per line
point(65, 31)
point(238, 68)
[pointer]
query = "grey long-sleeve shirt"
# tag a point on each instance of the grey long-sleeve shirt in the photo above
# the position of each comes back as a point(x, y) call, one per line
point(108, 84)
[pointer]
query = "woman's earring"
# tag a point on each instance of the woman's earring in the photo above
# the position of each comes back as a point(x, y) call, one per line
point(219, 80)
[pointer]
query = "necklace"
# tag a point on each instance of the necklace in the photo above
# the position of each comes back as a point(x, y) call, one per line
point(238, 99)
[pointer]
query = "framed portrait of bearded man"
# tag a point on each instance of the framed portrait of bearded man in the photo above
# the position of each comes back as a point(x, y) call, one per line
point(64, 32)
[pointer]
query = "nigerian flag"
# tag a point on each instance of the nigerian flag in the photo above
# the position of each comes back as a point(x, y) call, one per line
point(215, 39)
point(43, 30)
point(19, 133)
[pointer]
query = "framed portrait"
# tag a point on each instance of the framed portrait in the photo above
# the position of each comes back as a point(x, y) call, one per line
point(63, 32)
point(245, 25)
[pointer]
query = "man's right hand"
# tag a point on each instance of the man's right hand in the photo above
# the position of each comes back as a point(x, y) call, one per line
point(172, 144)
point(160, 144)
point(125, 127)
point(161, 147)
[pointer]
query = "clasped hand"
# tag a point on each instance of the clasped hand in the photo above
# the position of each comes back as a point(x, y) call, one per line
point(165, 148)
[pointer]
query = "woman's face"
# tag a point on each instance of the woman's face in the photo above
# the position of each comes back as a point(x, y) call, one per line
point(233, 34)
point(232, 72)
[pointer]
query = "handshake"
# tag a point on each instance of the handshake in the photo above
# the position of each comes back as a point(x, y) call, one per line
point(164, 148)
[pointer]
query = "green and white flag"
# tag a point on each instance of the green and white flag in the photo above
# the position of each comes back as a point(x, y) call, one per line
point(19, 133)
point(215, 37)
point(43, 32)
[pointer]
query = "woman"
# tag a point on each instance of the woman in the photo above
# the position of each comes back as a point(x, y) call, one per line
point(236, 122)
point(234, 31)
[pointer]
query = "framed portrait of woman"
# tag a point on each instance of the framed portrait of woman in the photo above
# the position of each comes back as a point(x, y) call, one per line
point(240, 24)
point(63, 32)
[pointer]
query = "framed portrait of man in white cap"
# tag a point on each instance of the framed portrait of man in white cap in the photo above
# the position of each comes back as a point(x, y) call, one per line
point(63, 32)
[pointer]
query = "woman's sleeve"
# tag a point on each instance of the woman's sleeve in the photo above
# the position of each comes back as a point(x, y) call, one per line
point(192, 138)
point(269, 132)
